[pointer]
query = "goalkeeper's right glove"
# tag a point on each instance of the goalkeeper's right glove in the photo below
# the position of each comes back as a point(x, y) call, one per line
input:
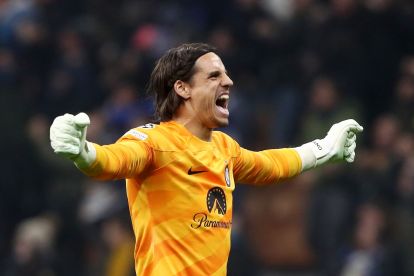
point(68, 139)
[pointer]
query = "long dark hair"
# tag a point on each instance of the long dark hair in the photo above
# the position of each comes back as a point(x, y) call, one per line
point(176, 64)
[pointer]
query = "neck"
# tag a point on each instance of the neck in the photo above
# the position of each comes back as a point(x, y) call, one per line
point(195, 127)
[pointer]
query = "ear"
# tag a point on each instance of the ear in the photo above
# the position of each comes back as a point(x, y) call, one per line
point(182, 89)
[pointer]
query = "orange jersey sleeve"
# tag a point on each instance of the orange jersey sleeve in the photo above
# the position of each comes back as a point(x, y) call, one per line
point(268, 166)
point(180, 190)
point(124, 159)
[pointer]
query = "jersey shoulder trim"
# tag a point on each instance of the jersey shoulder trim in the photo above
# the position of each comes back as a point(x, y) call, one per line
point(137, 134)
point(158, 136)
point(142, 132)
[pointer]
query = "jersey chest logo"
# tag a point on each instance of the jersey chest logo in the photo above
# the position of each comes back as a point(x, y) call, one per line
point(191, 171)
point(216, 201)
point(216, 205)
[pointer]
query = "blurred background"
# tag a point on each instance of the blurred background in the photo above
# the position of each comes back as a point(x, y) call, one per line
point(298, 67)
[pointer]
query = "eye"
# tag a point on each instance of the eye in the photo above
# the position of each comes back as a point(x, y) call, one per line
point(214, 75)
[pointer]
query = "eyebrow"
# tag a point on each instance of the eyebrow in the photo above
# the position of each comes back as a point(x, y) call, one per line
point(216, 73)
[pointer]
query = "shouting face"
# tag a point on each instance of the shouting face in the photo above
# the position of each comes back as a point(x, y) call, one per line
point(209, 92)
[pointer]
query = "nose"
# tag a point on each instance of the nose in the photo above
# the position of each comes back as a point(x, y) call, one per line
point(227, 81)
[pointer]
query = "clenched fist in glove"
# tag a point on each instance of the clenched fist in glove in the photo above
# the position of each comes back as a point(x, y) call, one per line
point(68, 139)
point(339, 144)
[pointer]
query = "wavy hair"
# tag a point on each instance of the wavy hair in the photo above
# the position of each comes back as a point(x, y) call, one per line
point(176, 64)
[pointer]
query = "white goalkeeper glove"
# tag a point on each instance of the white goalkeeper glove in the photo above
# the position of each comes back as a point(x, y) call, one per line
point(68, 139)
point(339, 144)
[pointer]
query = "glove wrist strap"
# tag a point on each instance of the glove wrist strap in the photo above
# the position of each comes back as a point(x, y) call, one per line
point(308, 157)
point(314, 154)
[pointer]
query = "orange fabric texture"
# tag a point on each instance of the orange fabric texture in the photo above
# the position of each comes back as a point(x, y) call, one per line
point(179, 191)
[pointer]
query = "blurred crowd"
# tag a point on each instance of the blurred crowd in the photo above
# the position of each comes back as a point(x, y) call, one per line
point(298, 66)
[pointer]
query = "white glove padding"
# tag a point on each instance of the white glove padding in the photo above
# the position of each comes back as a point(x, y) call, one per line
point(68, 139)
point(339, 144)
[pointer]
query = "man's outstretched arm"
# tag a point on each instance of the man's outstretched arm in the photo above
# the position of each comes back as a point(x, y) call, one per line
point(270, 166)
point(124, 159)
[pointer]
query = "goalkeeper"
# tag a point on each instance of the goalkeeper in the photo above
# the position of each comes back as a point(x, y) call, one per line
point(181, 173)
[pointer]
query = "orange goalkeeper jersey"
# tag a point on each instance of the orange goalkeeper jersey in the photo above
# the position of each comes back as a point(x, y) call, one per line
point(179, 191)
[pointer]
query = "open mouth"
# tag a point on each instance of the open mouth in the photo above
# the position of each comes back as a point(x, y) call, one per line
point(223, 101)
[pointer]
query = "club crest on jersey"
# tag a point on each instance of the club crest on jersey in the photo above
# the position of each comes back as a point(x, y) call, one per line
point(227, 176)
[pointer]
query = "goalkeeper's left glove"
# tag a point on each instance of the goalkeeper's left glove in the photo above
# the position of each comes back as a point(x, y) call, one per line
point(339, 144)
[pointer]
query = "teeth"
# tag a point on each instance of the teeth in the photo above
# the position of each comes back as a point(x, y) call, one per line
point(224, 97)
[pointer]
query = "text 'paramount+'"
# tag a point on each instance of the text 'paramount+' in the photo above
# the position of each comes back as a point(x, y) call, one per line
point(201, 220)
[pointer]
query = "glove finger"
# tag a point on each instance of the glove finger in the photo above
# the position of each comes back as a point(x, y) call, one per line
point(64, 119)
point(65, 138)
point(63, 132)
point(68, 129)
point(63, 124)
point(351, 134)
point(353, 123)
point(81, 120)
point(62, 147)
point(349, 150)
point(350, 158)
point(356, 129)
point(359, 127)
point(65, 148)
point(350, 140)
point(348, 125)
